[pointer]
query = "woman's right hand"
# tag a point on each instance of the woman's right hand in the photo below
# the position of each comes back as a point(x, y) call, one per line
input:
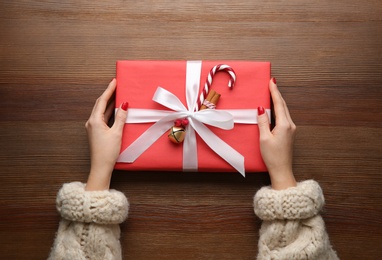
point(276, 145)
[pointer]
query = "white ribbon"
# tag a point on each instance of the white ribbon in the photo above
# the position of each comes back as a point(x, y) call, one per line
point(164, 119)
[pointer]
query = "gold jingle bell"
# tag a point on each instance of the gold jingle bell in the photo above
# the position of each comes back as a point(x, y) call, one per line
point(177, 134)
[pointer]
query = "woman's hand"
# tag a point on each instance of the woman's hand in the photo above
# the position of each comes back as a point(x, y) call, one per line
point(104, 141)
point(277, 145)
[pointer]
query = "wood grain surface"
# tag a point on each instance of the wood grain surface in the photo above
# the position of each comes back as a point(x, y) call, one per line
point(58, 56)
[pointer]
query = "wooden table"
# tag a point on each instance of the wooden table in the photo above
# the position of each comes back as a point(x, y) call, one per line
point(58, 56)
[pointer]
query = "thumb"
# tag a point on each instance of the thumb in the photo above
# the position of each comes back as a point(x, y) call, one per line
point(263, 122)
point(120, 117)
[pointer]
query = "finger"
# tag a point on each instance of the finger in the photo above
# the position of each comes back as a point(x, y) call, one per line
point(278, 103)
point(263, 122)
point(286, 109)
point(287, 113)
point(102, 101)
point(120, 117)
point(109, 111)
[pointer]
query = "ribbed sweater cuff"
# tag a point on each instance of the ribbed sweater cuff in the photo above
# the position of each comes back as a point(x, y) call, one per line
point(300, 202)
point(102, 207)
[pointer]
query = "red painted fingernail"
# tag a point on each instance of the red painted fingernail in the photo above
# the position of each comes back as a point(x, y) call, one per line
point(125, 105)
point(260, 111)
point(274, 80)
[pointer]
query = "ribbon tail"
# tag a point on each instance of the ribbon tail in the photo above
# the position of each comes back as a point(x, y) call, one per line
point(143, 142)
point(190, 153)
point(230, 155)
point(131, 153)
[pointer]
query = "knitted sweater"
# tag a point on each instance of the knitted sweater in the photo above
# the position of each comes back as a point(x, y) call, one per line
point(291, 229)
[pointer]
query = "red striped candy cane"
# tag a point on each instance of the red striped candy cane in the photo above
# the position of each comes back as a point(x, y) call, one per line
point(207, 85)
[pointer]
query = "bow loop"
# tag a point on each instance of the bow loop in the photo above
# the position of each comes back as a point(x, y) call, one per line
point(213, 117)
point(168, 99)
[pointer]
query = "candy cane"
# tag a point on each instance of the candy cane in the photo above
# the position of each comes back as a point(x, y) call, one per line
point(207, 85)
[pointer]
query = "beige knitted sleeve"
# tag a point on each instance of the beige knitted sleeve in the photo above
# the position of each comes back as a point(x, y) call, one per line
point(89, 226)
point(101, 207)
point(301, 202)
point(292, 228)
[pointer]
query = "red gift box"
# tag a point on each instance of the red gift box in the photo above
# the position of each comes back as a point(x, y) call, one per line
point(137, 81)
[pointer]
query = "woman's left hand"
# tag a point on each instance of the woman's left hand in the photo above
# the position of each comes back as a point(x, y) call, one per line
point(104, 141)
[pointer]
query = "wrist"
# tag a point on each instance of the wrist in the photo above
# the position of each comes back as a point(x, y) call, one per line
point(99, 178)
point(281, 180)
